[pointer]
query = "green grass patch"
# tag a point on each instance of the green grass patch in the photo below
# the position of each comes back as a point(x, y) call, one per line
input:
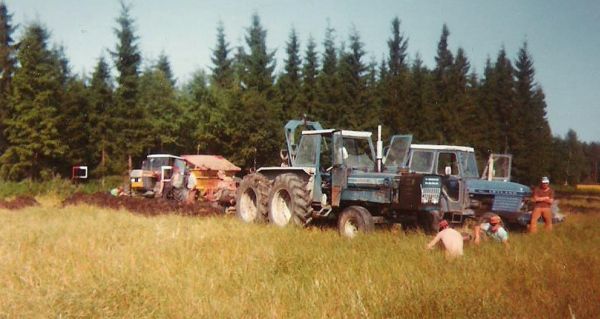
point(57, 186)
point(88, 262)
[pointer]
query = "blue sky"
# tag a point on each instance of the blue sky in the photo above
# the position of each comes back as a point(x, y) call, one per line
point(563, 36)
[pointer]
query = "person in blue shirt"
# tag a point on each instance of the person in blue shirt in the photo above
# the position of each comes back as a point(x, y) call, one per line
point(493, 229)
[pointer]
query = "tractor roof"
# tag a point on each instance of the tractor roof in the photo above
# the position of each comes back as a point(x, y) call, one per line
point(163, 156)
point(442, 147)
point(210, 162)
point(344, 133)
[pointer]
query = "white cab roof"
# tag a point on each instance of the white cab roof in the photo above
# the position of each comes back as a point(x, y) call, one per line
point(442, 147)
point(344, 133)
point(163, 155)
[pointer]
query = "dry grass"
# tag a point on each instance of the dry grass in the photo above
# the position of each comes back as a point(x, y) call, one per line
point(88, 262)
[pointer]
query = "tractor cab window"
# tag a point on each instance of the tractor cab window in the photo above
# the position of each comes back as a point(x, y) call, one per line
point(180, 165)
point(306, 155)
point(326, 152)
point(358, 153)
point(155, 163)
point(421, 161)
point(469, 165)
point(447, 160)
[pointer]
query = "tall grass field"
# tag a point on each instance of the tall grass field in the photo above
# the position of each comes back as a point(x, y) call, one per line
point(84, 261)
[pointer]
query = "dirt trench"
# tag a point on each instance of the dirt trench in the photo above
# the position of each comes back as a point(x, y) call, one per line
point(144, 206)
point(18, 202)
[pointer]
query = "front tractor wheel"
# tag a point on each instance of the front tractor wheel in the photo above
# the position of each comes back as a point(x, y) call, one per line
point(355, 220)
point(251, 198)
point(289, 201)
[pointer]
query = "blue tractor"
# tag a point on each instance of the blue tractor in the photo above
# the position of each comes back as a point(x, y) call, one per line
point(337, 174)
point(467, 195)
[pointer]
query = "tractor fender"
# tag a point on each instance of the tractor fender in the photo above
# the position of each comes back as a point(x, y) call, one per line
point(272, 172)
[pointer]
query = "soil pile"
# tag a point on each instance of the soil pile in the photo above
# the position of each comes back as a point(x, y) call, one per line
point(18, 202)
point(144, 206)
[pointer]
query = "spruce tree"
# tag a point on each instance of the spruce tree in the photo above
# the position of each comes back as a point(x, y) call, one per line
point(461, 108)
point(102, 109)
point(503, 99)
point(489, 120)
point(35, 143)
point(443, 90)
point(163, 65)
point(476, 133)
point(372, 97)
point(531, 153)
point(308, 100)
point(129, 119)
point(73, 115)
point(75, 124)
point(157, 97)
point(253, 122)
point(329, 89)
point(289, 83)
point(212, 113)
point(222, 71)
point(354, 104)
point(259, 63)
point(7, 67)
point(394, 83)
point(420, 114)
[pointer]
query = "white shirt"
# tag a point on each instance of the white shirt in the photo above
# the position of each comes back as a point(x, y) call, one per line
point(500, 235)
point(452, 241)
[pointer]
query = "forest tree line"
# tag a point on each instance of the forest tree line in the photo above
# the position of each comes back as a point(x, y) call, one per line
point(52, 119)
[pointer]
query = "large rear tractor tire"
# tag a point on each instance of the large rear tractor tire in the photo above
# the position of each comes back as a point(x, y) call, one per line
point(289, 201)
point(355, 220)
point(251, 198)
point(429, 221)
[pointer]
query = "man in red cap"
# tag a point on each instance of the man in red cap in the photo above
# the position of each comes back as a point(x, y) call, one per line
point(543, 196)
point(452, 240)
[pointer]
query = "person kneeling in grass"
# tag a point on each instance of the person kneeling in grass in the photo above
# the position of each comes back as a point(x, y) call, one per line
point(493, 229)
point(452, 240)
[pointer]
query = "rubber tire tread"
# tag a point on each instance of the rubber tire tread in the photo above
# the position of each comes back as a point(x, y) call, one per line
point(429, 221)
point(362, 216)
point(300, 198)
point(260, 186)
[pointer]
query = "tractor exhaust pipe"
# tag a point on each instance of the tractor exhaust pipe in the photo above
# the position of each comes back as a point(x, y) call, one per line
point(379, 150)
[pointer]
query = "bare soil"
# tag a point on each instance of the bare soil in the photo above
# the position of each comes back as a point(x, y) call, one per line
point(144, 206)
point(18, 202)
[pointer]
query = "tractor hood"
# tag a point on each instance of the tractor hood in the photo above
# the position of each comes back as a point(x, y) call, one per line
point(370, 179)
point(485, 187)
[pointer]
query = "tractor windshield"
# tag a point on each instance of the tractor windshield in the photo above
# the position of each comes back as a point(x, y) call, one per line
point(358, 153)
point(155, 163)
point(398, 152)
point(306, 155)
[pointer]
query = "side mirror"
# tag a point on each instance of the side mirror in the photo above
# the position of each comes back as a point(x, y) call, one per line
point(448, 170)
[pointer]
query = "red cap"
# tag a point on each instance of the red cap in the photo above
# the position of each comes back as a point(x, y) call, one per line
point(443, 224)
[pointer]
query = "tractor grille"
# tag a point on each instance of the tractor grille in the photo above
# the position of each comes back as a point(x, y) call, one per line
point(506, 203)
point(430, 195)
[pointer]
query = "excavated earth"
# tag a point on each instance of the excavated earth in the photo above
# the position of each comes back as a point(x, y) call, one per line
point(18, 202)
point(144, 206)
